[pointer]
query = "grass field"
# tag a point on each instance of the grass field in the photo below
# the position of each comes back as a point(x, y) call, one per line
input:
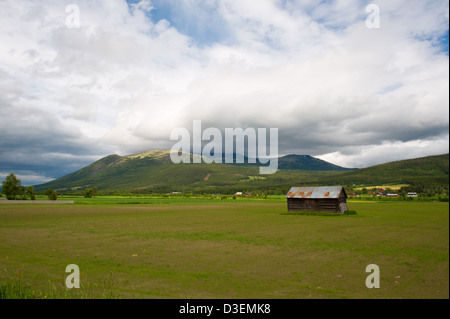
point(202, 248)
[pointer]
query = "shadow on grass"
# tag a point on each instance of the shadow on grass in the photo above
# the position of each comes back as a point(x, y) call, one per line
point(315, 213)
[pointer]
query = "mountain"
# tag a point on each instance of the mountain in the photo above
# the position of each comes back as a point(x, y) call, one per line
point(298, 162)
point(430, 170)
point(307, 162)
point(153, 170)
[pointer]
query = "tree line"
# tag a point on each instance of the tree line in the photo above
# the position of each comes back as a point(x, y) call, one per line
point(13, 189)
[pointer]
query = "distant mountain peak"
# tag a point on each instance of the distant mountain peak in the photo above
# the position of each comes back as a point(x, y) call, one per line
point(307, 162)
point(297, 155)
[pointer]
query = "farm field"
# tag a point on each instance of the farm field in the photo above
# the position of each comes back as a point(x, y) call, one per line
point(202, 248)
point(391, 186)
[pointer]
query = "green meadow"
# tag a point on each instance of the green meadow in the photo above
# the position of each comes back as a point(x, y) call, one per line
point(212, 248)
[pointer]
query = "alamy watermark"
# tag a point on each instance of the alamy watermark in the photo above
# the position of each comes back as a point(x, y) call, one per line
point(373, 19)
point(373, 280)
point(217, 152)
point(73, 280)
point(73, 19)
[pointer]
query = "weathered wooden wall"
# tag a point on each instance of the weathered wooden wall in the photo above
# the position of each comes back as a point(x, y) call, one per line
point(324, 205)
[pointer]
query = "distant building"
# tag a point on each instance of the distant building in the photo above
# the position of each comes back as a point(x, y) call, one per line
point(411, 194)
point(325, 198)
point(392, 195)
point(238, 193)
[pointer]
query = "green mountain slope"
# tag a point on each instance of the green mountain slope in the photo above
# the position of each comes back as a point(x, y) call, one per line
point(430, 170)
point(153, 171)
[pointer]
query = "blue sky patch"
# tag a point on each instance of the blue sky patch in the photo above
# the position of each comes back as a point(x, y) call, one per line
point(199, 21)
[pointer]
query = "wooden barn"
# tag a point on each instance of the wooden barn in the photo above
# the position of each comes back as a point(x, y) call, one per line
point(324, 199)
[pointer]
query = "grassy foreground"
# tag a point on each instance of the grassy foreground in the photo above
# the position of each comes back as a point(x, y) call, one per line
point(200, 248)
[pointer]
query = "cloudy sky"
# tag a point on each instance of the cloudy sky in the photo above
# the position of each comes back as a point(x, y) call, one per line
point(80, 80)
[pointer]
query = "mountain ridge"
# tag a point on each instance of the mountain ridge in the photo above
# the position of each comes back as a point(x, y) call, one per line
point(153, 171)
point(426, 170)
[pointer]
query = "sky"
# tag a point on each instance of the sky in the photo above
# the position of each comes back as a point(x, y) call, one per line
point(80, 80)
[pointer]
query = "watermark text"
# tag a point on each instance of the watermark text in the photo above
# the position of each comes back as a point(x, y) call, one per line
point(233, 149)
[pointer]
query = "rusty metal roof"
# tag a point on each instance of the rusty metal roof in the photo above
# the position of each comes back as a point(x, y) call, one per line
point(315, 192)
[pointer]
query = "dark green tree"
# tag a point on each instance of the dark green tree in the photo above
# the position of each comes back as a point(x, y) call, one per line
point(48, 192)
point(51, 194)
point(88, 192)
point(30, 192)
point(94, 191)
point(12, 187)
